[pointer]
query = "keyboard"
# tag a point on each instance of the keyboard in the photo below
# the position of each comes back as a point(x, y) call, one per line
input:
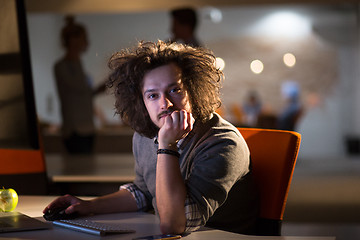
point(91, 227)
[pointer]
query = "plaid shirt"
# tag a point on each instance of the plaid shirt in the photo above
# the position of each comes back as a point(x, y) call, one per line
point(192, 213)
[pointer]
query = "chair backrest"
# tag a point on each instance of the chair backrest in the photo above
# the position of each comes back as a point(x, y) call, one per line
point(24, 171)
point(273, 157)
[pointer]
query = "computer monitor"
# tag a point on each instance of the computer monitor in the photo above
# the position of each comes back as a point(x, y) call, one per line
point(21, 156)
point(18, 128)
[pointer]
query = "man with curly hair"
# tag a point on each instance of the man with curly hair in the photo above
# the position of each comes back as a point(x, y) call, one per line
point(192, 167)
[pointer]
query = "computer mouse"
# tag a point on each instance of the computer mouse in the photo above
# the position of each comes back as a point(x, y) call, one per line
point(58, 214)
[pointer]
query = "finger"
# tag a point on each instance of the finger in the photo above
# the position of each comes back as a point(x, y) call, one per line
point(60, 202)
point(191, 120)
point(45, 209)
point(182, 120)
point(72, 208)
point(52, 205)
point(168, 121)
point(81, 207)
point(175, 115)
point(55, 203)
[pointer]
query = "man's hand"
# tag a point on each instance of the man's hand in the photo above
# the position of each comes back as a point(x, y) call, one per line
point(71, 205)
point(176, 126)
point(119, 201)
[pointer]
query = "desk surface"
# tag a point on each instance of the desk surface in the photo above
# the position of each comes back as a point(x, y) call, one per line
point(144, 224)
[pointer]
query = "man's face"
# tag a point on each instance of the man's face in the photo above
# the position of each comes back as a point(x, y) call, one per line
point(163, 93)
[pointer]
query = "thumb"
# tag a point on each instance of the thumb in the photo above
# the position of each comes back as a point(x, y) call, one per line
point(72, 208)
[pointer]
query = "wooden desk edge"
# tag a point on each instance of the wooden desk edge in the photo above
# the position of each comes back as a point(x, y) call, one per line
point(91, 178)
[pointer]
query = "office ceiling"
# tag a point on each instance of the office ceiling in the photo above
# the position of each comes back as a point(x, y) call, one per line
point(114, 6)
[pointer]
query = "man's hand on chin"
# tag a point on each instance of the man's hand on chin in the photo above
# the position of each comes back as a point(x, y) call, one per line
point(176, 126)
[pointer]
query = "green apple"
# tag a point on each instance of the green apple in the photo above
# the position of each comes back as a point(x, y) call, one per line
point(8, 200)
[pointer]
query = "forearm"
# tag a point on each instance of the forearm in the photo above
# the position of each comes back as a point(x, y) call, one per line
point(120, 201)
point(170, 194)
point(170, 186)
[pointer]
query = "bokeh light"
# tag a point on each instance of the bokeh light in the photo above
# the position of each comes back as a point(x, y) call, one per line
point(289, 59)
point(256, 66)
point(220, 63)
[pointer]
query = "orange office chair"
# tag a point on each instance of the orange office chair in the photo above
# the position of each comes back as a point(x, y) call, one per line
point(24, 171)
point(273, 157)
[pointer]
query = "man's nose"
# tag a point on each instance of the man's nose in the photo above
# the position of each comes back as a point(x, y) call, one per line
point(166, 102)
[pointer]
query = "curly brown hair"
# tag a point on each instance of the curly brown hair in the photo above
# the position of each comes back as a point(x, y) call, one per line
point(200, 77)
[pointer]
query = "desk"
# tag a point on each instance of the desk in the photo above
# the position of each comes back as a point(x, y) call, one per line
point(144, 224)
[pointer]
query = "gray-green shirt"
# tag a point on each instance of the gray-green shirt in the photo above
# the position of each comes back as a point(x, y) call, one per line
point(215, 165)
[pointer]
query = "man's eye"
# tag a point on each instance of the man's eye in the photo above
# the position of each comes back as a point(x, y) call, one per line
point(152, 96)
point(175, 90)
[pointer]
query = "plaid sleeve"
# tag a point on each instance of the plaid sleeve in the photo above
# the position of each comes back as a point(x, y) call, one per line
point(141, 202)
point(193, 216)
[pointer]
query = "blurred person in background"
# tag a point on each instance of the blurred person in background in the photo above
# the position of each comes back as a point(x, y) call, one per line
point(184, 23)
point(75, 90)
point(251, 109)
point(290, 115)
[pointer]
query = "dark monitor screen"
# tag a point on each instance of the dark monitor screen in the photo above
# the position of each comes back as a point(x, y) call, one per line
point(18, 121)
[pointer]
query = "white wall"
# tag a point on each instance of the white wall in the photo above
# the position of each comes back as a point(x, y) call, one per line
point(107, 34)
point(44, 50)
point(323, 127)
